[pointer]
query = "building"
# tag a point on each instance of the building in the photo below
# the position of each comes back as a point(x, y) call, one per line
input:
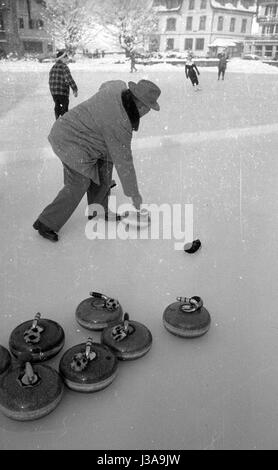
point(204, 27)
point(265, 43)
point(22, 29)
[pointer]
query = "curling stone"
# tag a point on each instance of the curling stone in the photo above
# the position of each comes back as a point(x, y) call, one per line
point(29, 392)
point(88, 367)
point(192, 247)
point(98, 311)
point(41, 338)
point(128, 340)
point(5, 359)
point(187, 317)
point(137, 219)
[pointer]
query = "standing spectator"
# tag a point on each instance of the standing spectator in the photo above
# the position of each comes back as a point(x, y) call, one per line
point(60, 81)
point(133, 62)
point(222, 65)
point(191, 72)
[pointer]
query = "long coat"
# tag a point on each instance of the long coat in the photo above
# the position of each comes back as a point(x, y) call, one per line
point(98, 128)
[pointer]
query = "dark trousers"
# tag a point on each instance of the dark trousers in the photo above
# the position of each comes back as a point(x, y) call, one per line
point(221, 72)
point(194, 79)
point(61, 105)
point(56, 214)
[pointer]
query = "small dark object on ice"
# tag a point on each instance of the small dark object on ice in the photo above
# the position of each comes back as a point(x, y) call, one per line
point(192, 247)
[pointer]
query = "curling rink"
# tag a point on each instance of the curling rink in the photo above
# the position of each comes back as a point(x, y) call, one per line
point(215, 149)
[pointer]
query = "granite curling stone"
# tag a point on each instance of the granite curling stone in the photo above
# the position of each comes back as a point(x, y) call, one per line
point(40, 337)
point(137, 219)
point(29, 392)
point(187, 317)
point(5, 359)
point(98, 312)
point(88, 367)
point(129, 340)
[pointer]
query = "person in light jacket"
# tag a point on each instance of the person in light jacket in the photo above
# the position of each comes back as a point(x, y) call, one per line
point(89, 140)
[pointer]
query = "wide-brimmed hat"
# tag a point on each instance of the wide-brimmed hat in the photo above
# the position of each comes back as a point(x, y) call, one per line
point(147, 92)
point(61, 54)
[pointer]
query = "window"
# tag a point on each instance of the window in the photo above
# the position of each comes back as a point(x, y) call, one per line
point(21, 23)
point(191, 5)
point(172, 4)
point(32, 24)
point(189, 21)
point(268, 51)
point(202, 25)
point(170, 44)
point(33, 46)
point(200, 44)
point(1, 22)
point(188, 44)
point(271, 11)
point(203, 4)
point(220, 23)
point(243, 26)
point(232, 25)
point(171, 24)
point(21, 4)
point(40, 24)
point(259, 50)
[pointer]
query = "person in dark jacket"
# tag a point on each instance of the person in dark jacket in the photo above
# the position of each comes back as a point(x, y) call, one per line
point(191, 72)
point(60, 82)
point(133, 62)
point(222, 65)
point(89, 140)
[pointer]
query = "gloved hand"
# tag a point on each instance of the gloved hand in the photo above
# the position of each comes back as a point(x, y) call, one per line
point(137, 201)
point(75, 93)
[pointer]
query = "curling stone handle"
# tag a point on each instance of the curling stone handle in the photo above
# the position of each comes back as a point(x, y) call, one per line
point(126, 321)
point(97, 295)
point(88, 347)
point(184, 299)
point(29, 378)
point(35, 321)
point(191, 304)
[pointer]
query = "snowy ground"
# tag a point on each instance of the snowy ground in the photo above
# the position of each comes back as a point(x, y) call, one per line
point(216, 149)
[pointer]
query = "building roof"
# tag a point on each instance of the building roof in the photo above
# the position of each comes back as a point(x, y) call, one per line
point(222, 42)
point(161, 6)
point(238, 7)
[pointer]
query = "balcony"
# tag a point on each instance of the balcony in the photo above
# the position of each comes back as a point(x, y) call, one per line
point(262, 37)
point(268, 19)
point(268, 2)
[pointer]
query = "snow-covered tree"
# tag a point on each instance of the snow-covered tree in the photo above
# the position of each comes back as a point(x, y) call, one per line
point(69, 23)
point(132, 21)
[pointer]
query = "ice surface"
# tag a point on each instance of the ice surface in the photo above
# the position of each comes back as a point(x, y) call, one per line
point(216, 149)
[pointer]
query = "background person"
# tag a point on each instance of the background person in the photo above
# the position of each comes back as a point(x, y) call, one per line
point(191, 72)
point(60, 81)
point(222, 65)
point(89, 140)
